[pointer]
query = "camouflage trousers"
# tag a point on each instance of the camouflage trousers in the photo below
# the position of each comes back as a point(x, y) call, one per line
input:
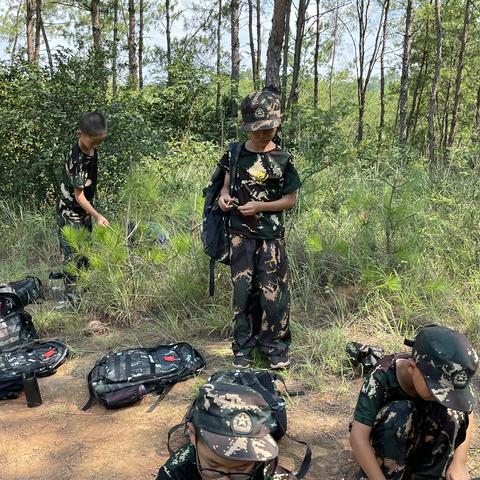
point(416, 440)
point(66, 250)
point(261, 299)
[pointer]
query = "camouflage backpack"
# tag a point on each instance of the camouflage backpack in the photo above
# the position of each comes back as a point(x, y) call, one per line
point(123, 378)
point(214, 224)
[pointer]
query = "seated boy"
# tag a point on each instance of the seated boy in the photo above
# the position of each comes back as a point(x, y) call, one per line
point(229, 438)
point(413, 418)
point(79, 183)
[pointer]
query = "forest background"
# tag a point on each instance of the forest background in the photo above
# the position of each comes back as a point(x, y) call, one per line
point(381, 105)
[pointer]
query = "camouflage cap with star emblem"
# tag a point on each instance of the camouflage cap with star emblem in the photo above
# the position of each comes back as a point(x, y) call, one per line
point(261, 110)
point(232, 421)
point(448, 362)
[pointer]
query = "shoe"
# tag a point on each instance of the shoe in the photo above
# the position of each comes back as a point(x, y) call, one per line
point(241, 361)
point(280, 361)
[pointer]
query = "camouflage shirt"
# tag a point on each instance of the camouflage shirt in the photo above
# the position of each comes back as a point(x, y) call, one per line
point(261, 177)
point(79, 171)
point(183, 466)
point(380, 387)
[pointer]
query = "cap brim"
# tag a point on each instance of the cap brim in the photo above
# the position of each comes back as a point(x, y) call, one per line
point(261, 125)
point(461, 399)
point(246, 449)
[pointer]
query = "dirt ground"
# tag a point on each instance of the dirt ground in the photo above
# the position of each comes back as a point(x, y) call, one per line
point(59, 441)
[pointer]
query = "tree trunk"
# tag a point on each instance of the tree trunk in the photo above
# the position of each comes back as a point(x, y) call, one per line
point(96, 31)
point(476, 127)
point(252, 42)
point(140, 44)
point(300, 33)
point(403, 98)
point(219, 59)
point(115, 48)
point(29, 33)
point(259, 43)
point(235, 46)
point(286, 45)
point(332, 63)
point(47, 47)
point(38, 29)
point(432, 111)
point(382, 73)
point(458, 80)
point(445, 116)
point(168, 27)
point(275, 42)
point(132, 46)
point(315, 56)
point(15, 38)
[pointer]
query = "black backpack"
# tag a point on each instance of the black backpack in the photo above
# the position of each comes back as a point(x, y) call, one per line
point(214, 233)
point(40, 356)
point(263, 382)
point(123, 378)
point(16, 326)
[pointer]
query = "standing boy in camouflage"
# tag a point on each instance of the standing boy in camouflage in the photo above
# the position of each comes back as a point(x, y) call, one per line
point(78, 187)
point(413, 419)
point(229, 438)
point(265, 186)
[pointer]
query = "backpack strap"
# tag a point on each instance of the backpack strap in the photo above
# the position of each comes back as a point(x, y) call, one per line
point(211, 280)
point(307, 459)
point(91, 397)
point(235, 148)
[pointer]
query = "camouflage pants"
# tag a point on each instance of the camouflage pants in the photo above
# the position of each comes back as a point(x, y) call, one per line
point(261, 298)
point(66, 250)
point(416, 441)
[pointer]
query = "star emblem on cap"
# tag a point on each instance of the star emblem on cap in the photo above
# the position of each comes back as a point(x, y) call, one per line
point(242, 423)
point(260, 112)
point(460, 379)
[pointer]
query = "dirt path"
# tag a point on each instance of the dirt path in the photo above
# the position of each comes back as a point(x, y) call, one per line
point(58, 441)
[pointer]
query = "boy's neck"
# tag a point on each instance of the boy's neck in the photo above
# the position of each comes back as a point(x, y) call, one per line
point(260, 147)
point(85, 150)
point(404, 377)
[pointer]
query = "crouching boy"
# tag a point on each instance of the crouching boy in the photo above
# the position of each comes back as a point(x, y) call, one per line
point(413, 418)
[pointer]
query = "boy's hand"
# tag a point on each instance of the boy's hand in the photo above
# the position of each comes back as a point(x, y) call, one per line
point(102, 221)
point(457, 471)
point(225, 202)
point(250, 208)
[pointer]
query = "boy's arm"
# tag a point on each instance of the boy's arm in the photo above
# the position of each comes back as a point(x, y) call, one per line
point(287, 202)
point(225, 200)
point(458, 468)
point(363, 451)
point(88, 207)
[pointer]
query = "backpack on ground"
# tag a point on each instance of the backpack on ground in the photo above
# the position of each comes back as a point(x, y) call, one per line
point(123, 378)
point(40, 356)
point(16, 326)
point(264, 383)
point(365, 357)
point(214, 233)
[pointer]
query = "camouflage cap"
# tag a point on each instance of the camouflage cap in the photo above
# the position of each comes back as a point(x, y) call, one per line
point(261, 110)
point(232, 420)
point(448, 362)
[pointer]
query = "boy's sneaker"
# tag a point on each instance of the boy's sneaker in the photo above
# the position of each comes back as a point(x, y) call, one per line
point(279, 361)
point(241, 361)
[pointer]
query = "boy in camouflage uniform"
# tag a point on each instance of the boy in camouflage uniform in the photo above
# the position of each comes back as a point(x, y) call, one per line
point(265, 186)
point(229, 438)
point(78, 187)
point(413, 418)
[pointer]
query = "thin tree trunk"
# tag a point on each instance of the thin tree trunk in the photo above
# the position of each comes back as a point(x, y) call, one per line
point(15, 38)
point(132, 46)
point(252, 42)
point(47, 46)
point(29, 33)
point(219, 58)
point(38, 29)
point(332, 63)
point(300, 33)
point(235, 46)
point(140, 44)
point(96, 30)
point(315, 56)
point(168, 34)
point(403, 98)
point(432, 111)
point(445, 116)
point(476, 127)
point(458, 80)
point(259, 42)
point(382, 73)
point(286, 45)
point(275, 42)
point(115, 48)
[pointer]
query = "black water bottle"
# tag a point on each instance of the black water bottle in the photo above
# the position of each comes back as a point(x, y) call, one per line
point(32, 391)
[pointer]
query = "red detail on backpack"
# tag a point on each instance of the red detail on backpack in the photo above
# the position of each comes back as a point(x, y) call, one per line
point(170, 358)
point(50, 353)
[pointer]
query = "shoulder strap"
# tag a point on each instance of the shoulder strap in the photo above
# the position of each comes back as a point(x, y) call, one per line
point(235, 149)
point(91, 398)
